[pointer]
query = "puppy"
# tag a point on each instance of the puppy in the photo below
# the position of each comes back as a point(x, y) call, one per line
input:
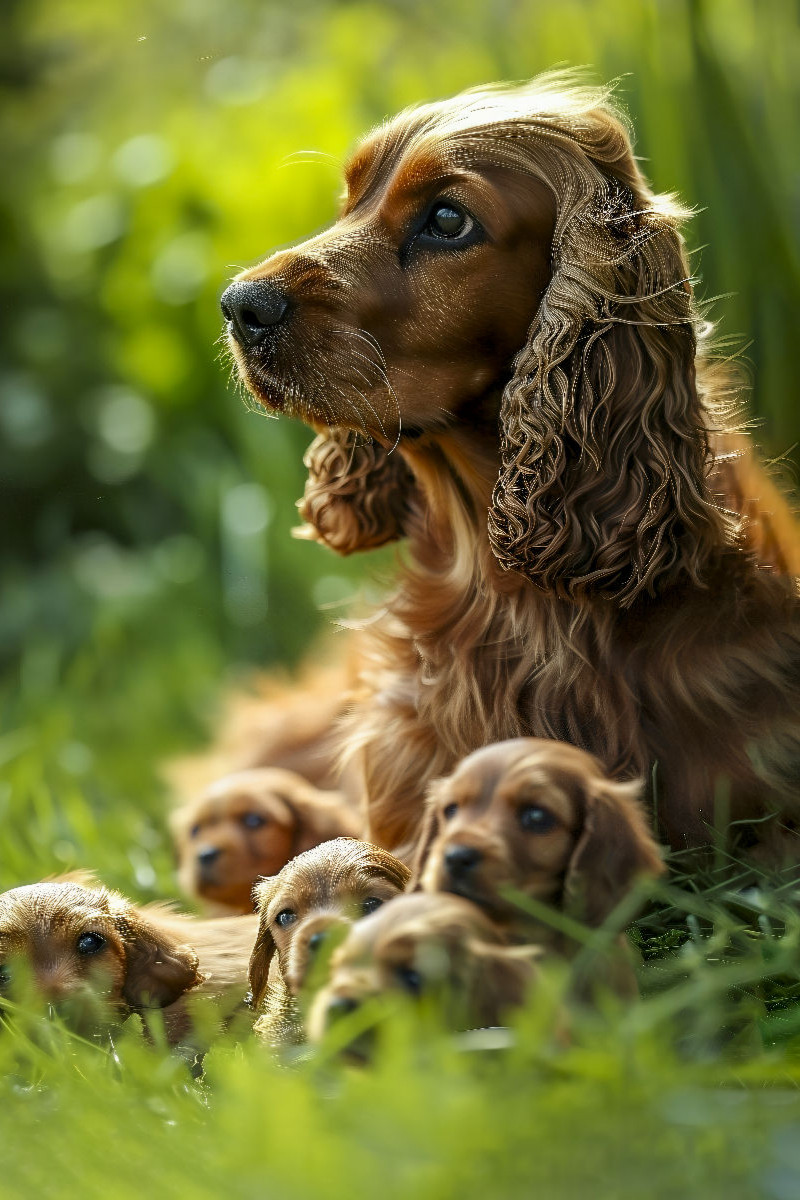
point(540, 818)
point(95, 957)
point(438, 947)
point(250, 824)
point(324, 888)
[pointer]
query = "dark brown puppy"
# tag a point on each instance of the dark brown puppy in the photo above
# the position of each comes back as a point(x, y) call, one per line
point(540, 818)
point(437, 947)
point(331, 885)
point(499, 348)
point(250, 824)
point(97, 957)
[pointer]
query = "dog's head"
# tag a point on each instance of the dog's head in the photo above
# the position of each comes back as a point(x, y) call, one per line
point(250, 824)
point(437, 948)
point(499, 258)
point(88, 951)
point(329, 886)
point(539, 817)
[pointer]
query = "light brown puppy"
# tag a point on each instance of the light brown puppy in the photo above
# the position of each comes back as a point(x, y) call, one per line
point(328, 886)
point(435, 947)
point(539, 817)
point(96, 957)
point(250, 824)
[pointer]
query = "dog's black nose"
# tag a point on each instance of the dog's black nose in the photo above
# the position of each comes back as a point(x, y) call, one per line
point(252, 308)
point(208, 856)
point(342, 1006)
point(460, 859)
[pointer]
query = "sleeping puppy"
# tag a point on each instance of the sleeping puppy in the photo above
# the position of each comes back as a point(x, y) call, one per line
point(95, 957)
point(431, 947)
point(319, 892)
point(250, 824)
point(540, 818)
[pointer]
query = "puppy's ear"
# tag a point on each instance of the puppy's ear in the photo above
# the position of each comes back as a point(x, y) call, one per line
point(357, 496)
point(158, 967)
point(264, 949)
point(426, 837)
point(615, 847)
point(318, 816)
point(504, 975)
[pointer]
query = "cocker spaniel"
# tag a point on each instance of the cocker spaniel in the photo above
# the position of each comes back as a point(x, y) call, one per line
point(538, 819)
point(440, 949)
point(250, 824)
point(95, 957)
point(319, 892)
point(499, 348)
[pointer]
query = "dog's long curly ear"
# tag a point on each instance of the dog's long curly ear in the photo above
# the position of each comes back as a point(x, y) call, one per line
point(357, 495)
point(604, 455)
point(615, 847)
point(159, 967)
point(264, 949)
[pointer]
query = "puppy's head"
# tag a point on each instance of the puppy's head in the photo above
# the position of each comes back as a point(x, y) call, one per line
point(540, 817)
point(436, 947)
point(87, 950)
point(247, 825)
point(332, 884)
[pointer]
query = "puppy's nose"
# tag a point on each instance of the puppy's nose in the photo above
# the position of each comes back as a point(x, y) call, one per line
point(342, 1006)
point(208, 855)
point(461, 859)
point(252, 307)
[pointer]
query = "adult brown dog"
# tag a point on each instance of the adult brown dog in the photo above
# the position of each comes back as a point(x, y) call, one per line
point(96, 957)
point(323, 889)
point(499, 342)
point(250, 824)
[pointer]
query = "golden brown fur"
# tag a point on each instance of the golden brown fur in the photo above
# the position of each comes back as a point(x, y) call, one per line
point(439, 948)
point(324, 888)
point(148, 957)
point(575, 577)
point(541, 818)
point(250, 824)
point(280, 722)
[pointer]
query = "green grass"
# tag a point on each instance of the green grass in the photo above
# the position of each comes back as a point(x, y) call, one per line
point(691, 1092)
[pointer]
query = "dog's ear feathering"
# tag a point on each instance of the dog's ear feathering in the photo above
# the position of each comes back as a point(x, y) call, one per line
point(614, 849)
point(159, 968)
point(602, 487)
point(264, 948)
point(357, 494)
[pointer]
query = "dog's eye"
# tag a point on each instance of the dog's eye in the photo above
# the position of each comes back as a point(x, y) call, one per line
point(370, 904)
point(286, 917)
point(90, 943)
point(193, 832)
point(535, 819)
point(252, 820)
point(5, 975)
point(449, 811)
point(410, 980)
point(448, 221)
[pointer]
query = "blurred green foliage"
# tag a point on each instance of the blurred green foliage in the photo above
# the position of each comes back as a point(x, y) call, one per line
point(152, 149)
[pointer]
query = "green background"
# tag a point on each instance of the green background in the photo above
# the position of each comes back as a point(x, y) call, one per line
point(150, 151)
